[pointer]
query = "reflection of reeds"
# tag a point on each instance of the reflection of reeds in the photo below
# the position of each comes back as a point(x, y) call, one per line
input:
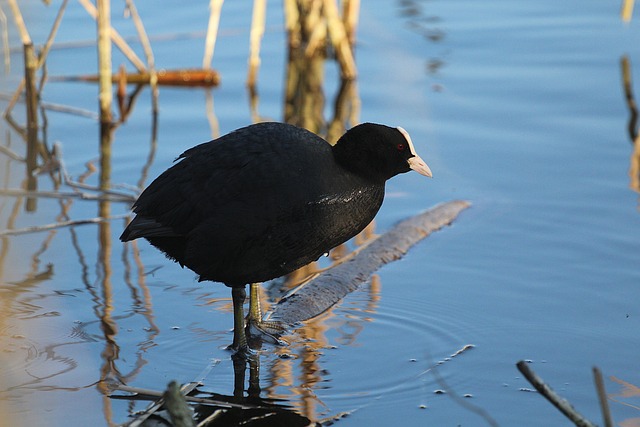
point(632, 126)
point(627, 10)
point(117, 38)
point(105, 95)
point(32, 121)
point(255, 37)
point(330, 34)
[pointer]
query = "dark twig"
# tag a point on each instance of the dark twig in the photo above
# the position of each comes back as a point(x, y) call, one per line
point(562, 404)
point(143, 392)
point(602, 397)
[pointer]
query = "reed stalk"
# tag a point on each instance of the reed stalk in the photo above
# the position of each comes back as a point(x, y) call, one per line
point(215, 6)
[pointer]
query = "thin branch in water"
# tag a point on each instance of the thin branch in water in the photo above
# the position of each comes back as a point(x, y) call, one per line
point(153, 143)
point(157, 394)
point(42, 56)
point(61, 224)
point(116, 38)
point(26, 40)
point(146, 46)
point(120, 198)
point(5, 42)
point(66, 109)
point(142, 34)
point(556, 400)
point(19, 21)
point(602, 397)
point(11, 154)
point(80, 185)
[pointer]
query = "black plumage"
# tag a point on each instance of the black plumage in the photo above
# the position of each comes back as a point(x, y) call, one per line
point(269, 198)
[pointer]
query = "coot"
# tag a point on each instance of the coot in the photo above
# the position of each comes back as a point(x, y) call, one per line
point(266, 199)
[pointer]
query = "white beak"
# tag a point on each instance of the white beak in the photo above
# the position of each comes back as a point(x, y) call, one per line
point(418, 165)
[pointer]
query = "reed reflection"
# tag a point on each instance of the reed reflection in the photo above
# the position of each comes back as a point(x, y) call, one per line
point(632, 124)
point(26, 302)
point(314, 37)
point(277, 385)
point(297, 371)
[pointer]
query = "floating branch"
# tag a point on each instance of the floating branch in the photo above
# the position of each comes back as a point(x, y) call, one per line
point(321, 293)
point(186, 77)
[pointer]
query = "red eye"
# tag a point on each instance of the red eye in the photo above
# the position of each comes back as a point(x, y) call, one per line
point(400, 147)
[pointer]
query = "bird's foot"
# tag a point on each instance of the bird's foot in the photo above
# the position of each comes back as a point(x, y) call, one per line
point(241, 351)
point(267, 331)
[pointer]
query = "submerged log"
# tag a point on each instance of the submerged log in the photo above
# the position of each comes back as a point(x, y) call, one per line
point(185, 77)
point(321, 293)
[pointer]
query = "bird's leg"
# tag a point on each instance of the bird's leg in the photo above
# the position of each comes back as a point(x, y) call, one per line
point(255, 311)
point(238, 295)
point(267, 329)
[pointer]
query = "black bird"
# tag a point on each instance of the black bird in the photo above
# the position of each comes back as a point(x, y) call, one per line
point(266, 199)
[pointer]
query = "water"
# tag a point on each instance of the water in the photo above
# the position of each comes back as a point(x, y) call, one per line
point(517, 106)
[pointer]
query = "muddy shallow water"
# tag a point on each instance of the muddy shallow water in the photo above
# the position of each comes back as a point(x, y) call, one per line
point(517, 107)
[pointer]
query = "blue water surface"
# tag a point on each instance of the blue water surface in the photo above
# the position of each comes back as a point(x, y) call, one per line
point(517, 107)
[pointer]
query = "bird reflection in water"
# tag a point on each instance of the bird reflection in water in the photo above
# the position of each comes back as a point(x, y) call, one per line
point(254, 405)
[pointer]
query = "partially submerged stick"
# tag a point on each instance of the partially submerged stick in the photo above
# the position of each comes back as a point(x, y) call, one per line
point(602, 397)
point(562, 404)
point(321, 293)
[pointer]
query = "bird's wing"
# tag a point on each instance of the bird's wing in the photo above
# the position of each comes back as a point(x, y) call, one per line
point(229, 181)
